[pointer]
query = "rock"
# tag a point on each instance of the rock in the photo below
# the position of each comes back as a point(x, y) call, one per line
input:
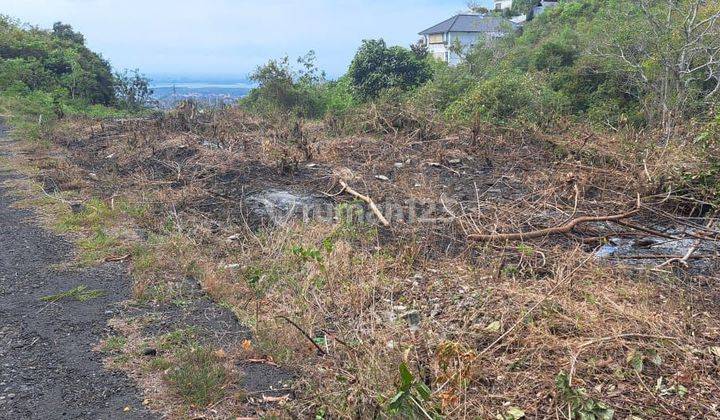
point(454, 161)
point(150, 352)
point(77, 207)
point(606, 251)
point(382, 178)
point(399, 165)
point(233, 238)
point(413, 319)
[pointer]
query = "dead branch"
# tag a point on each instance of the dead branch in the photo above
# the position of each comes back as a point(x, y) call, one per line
point(563, 229)
point(366, 199)
point(297, 327)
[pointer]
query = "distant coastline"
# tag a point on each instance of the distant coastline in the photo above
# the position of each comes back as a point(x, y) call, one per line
point(168, 92)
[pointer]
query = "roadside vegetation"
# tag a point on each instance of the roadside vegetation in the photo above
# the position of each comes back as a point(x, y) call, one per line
point(551, 249)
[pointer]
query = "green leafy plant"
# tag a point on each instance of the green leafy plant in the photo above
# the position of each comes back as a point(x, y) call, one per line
point(307, 254)
point(411, 397)
point(377, 68)
point(579, 404)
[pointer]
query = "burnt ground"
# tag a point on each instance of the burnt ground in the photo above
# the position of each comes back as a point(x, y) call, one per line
point(48, 369)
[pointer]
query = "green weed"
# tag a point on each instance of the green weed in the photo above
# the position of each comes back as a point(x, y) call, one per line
point(79, 293)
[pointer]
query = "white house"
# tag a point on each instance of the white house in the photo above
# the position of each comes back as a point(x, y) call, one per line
point(503, 4)
point(464, 30)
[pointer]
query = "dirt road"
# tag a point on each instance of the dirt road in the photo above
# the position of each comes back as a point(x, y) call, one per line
point(47, 367)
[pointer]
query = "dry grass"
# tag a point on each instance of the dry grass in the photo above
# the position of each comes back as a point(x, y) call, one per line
point(540, 326)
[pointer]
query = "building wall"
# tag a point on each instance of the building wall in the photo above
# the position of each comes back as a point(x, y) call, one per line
point(502, 4)
point(467, 40)
point(438, 51)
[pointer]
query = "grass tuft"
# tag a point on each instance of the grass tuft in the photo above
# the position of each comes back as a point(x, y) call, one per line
point(79, 293)
point(199, 376)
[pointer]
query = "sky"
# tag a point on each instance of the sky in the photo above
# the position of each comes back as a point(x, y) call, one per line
point(229, 38)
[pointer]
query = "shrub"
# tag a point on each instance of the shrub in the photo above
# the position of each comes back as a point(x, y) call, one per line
point(339, 96)
point(508, 98)
point(283, 89)
point(377, 68)
point(133, 90)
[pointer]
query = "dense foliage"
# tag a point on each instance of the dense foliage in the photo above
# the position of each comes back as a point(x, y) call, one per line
point(286, 89)
point(48, 74)
point(377, 68)
point(56, 62)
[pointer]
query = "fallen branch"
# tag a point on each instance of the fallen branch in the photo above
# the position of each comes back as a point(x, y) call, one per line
point(117, 259)
point(367, 200)
point(647, 230)
point(297, 327)
point(563, 229)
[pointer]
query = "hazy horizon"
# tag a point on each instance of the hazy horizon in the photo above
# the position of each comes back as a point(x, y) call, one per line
point(224, 40)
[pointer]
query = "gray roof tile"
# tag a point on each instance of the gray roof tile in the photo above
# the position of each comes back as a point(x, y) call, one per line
point(470, 23)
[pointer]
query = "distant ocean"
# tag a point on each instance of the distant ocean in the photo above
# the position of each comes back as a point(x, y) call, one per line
point(212, 93)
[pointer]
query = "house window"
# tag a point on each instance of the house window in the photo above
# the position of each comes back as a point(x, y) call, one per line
point(436, 39)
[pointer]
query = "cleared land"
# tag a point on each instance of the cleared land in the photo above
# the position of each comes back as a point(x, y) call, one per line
point(590, 317)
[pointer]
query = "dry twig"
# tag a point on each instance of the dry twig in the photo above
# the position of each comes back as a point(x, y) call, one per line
point(566, 228)
point(366, 199)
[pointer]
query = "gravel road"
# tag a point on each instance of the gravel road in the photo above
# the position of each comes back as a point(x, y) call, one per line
point(47, 367)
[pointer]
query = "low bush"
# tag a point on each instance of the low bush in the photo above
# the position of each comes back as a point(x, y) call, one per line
point(508, 99)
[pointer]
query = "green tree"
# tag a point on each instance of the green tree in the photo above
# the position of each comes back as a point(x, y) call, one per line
point(66, 32)
point(133, 90)
point(300, 90)
point(54, 61)
point(377, 68)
